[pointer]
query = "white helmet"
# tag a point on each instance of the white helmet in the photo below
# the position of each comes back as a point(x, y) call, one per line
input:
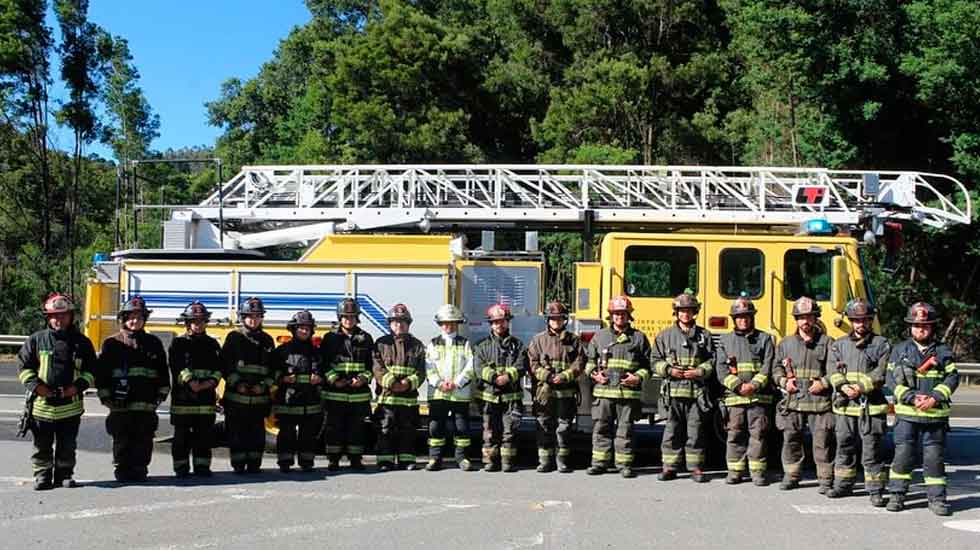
point(449, 313)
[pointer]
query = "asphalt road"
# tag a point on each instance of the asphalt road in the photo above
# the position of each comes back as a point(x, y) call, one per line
point(452, 508)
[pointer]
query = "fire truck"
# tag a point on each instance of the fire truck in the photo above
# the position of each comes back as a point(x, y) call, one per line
point(392, 234)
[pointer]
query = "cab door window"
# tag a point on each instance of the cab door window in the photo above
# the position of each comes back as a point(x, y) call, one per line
point(742, 270)
point(660, 271)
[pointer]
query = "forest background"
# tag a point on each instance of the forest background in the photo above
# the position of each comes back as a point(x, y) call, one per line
point(859, 84)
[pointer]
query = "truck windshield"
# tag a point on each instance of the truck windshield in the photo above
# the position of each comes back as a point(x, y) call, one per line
point(807, 273)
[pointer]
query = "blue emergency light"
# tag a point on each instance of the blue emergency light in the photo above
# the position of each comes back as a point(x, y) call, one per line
point(818, 226)
point(100, 257)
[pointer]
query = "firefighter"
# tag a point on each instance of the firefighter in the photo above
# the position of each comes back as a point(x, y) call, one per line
point(744, 367)
point(449, 372)
point(248, 373)
point(399, 369)
point(56, 365)
point(557, 359)
point(499, 362)
point(922, 375)
point(132, 380)
point(860, 361)
point(347, 356)
point(297, 403)
point(195, 370)
point(801, 373)
point(685, 357)
point(618, 363)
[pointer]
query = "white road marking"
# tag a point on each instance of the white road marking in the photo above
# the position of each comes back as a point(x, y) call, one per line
point(136, 509)
point(524, 542)
point(971, 525)
point(309, 529)
point(839, 509)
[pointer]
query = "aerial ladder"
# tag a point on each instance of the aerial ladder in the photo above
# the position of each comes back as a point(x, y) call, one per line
point(264, 206)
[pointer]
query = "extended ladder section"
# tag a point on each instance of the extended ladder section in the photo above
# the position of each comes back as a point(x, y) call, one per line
point(367, 197)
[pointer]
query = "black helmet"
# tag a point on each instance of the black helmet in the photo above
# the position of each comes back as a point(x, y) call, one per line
point(742, 306)
point(686, 300)
point(556, 310)
point(348, 306)
point(859, 308)
point(921, 313)
point(806, 306)
point(136, 303)
point(399, 312)
point(195, 310)
point(251, 306)
point(301, 318)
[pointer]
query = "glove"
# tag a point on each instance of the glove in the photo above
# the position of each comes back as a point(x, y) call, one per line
point(42, 390)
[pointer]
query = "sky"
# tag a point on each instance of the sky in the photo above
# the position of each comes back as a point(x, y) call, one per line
point(184, 50)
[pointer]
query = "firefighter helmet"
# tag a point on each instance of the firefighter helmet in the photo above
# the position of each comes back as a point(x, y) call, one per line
point(251, 306)
point(859, 308)
point(498, 312)
point(348, 306)
point(686, 300)
point(449, 313)
point(619, 304)
point(805, 306)
point(399, 312)
point(195, 311)
point(301, 318)
point(134, 304)
point(57, 302)
point(742, 306)
point(556, 310)
point(921, 313)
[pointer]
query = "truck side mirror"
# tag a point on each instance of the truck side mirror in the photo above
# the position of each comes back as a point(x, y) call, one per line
point(839, 284)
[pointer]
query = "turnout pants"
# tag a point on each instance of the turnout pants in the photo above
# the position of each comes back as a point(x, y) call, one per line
point(396, 438)
point(554, 427)
point(193, 435)
point(748, 426)
point(869, 432)
point(907, 437)
point(684, 439)
point(448, 419)
point(345, 428)
point(246, 436)
point(132, 442)
point(612, 427)
point(297, 438)
point(55, 442)
point(500, 424)
point(821, 428)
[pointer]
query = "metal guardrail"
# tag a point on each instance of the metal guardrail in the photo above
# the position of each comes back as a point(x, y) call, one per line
point(12, 340)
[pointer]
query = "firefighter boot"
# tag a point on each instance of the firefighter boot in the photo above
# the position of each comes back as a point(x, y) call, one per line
point(563, 466)
point(788, 483)
point(896, 503)
point(64, 479)
point(939, 507)
point(42, 481)
point(825, 486)
point(759, 479)
point(839, 492)
point(545, 465)
point(356, 463)
point(333, 462)
point(434, 465)
point(877, 499)
point(491, 460)
point(698, 476)
point(467, 466)
point(627, 472)
point(667, 474)
point(596, 469)
point(733, 478)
